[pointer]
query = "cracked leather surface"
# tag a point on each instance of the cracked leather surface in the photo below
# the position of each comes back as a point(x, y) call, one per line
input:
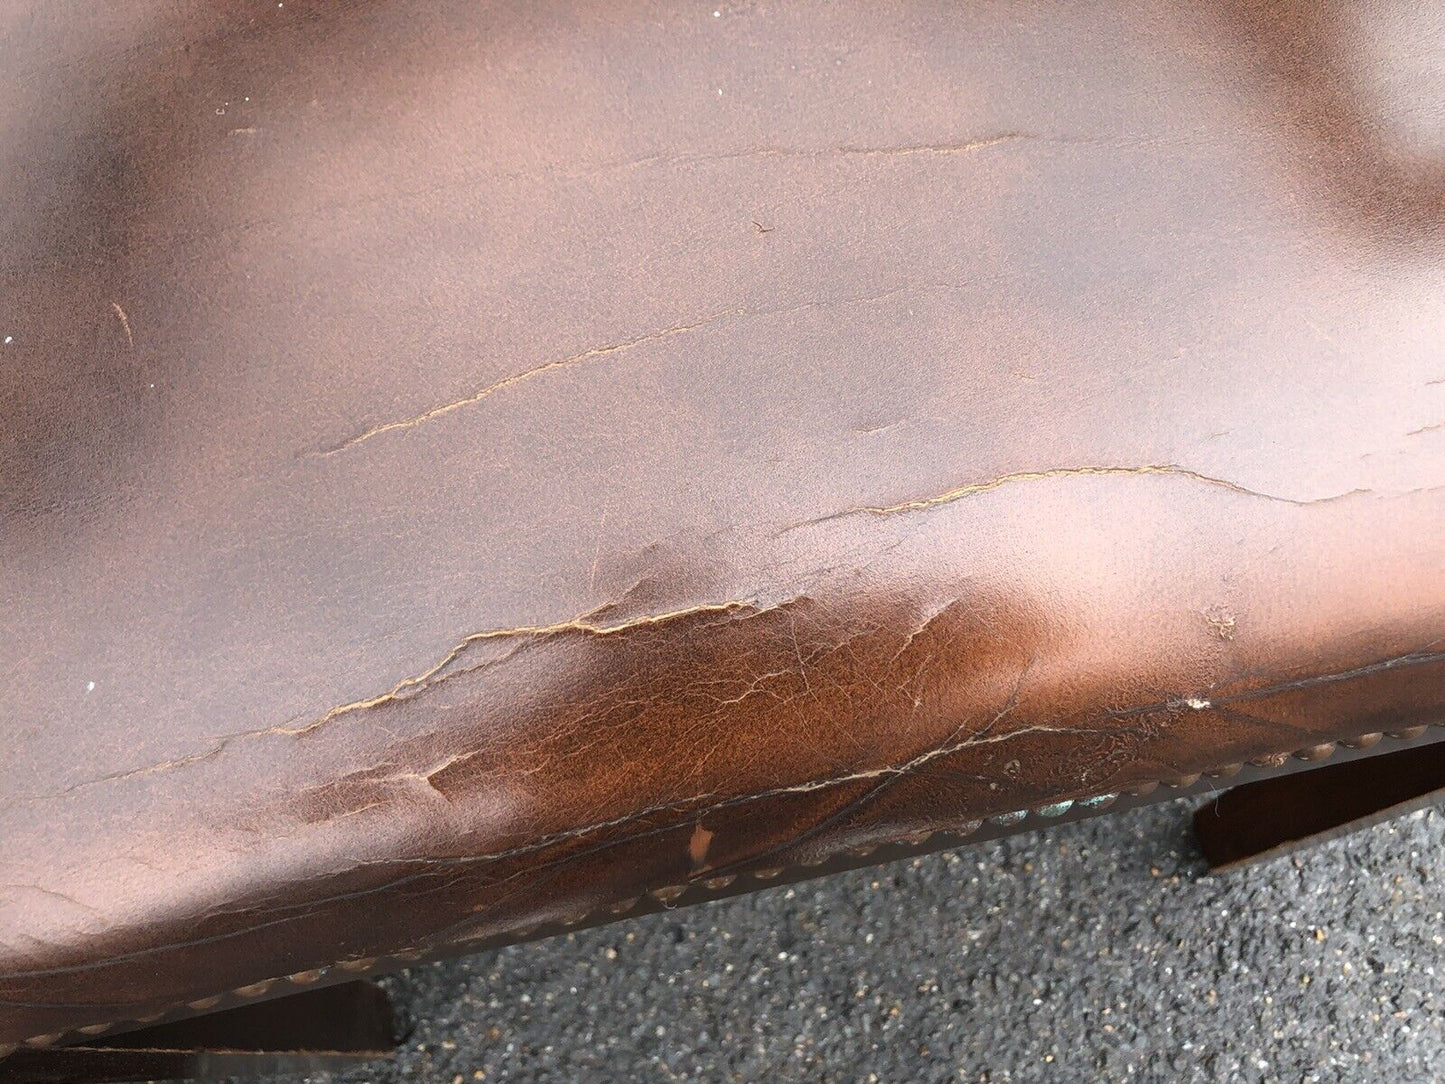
point(463, 465)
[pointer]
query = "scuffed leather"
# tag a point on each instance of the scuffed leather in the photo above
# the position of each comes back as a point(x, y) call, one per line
point(462, 465)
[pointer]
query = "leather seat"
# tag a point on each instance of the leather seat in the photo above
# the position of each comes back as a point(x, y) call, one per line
point(465, 467)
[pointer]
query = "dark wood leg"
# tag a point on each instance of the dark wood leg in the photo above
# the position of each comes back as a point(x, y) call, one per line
point(1273, 817)
point(331, 1028)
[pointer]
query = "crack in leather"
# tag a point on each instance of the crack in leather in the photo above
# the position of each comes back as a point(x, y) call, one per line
point(695, 811)
point(409, 687)
point(610, 349)
point(438, 672)
point(972, 489)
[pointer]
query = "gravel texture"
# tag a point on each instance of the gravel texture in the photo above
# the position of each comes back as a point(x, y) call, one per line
point(1094, 951)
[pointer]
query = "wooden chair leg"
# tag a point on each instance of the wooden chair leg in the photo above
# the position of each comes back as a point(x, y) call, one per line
point(1259, 821)
point(331, 1028)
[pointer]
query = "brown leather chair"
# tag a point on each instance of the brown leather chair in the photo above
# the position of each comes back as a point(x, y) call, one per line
point(469, 469)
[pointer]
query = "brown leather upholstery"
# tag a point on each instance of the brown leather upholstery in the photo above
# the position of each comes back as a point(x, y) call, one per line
point(465, 465)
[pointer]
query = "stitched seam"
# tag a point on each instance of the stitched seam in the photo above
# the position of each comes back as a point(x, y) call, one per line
point(411, 955)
